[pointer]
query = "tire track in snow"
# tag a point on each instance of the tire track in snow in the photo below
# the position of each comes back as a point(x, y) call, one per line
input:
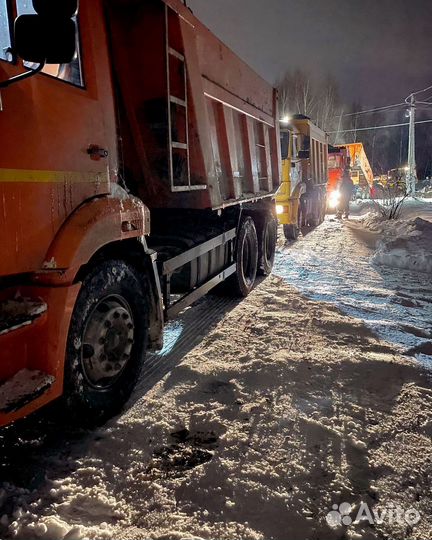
point(332, 264)
point(181, 335)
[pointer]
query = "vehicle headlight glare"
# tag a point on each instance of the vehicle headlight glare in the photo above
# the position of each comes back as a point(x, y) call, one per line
point(334, 198)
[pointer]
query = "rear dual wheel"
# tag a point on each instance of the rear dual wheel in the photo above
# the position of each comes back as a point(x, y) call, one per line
point(267, 245)
point(255, 254)
point(246, 259)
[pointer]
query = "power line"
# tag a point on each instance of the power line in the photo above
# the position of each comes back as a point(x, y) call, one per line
point(379, 127)
point(372, 110)
point(376, 109)
point(421, 91)
point(408, 99)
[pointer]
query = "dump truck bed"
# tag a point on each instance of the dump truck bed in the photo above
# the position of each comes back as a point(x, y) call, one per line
point(199, 126)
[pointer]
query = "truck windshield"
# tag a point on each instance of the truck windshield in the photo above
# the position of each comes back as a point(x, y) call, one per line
point(72, 72)
point(5, 39)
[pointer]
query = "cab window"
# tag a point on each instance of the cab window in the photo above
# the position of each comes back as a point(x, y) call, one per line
point(285, 140)
point(71, 73)
point(294, 148)
point(5, 36)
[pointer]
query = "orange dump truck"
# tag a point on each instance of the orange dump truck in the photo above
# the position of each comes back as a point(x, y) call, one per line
point(350, 156)
point(138, 162)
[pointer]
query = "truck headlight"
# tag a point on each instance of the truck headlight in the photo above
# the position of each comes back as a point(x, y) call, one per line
point(279, 209)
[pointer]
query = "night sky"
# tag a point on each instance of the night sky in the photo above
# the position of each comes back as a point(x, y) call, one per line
point(377, 50)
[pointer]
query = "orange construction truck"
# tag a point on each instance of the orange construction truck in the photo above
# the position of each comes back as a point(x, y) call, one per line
point(139, 159)
point(350, 157)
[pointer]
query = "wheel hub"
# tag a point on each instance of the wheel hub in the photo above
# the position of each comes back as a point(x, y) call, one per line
point(107, 341)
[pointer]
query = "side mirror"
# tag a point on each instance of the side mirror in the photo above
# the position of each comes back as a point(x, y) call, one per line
point(49, 37)
point(56, 8)
point(45, 39)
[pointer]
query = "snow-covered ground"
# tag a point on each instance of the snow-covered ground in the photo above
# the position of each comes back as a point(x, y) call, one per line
point(258, 420)
point(351, 264)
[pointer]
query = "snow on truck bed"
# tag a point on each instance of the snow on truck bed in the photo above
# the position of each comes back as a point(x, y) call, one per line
point(286, 408)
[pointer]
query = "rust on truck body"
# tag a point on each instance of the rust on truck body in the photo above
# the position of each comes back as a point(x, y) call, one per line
point(203, 123)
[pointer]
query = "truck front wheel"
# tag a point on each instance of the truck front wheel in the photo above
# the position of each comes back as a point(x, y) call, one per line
point(291, 232)
point(107, 341)
point(246, 259)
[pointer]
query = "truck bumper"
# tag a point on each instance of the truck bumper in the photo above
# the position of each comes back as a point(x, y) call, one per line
point(33, 347)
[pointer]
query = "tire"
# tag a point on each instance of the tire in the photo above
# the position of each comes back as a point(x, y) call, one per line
point(106, 343)
point(246, 258)
point(267, 246)
point(300, 218)
point(313, 221)
point(291, 232)
point(323, 214)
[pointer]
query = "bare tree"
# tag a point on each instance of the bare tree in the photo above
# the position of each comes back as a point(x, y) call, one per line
point(300, 93)
point(390, 199)
point(349, 124)
point(328, 103)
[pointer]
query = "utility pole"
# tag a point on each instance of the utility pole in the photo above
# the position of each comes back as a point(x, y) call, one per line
point(411, 178)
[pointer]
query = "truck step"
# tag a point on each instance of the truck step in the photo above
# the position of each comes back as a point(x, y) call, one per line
point(22, 388)
point(19, 312)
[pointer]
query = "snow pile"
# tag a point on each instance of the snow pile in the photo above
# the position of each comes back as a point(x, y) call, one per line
point(361, 207)
point(374, 222)
point(404, 244)
point(72, 519)
point(411, 207)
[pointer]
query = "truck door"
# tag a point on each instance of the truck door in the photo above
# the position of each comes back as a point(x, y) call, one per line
point(57, 139)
